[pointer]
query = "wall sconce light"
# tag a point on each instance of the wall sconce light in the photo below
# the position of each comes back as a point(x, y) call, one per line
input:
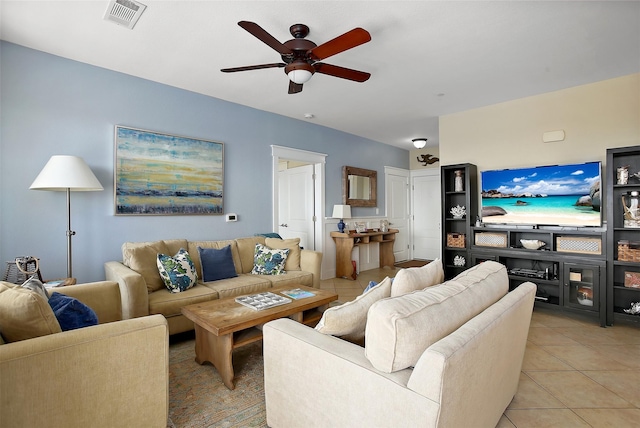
point(419, 143)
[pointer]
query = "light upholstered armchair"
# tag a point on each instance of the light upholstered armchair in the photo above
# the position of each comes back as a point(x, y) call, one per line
point(114, 374)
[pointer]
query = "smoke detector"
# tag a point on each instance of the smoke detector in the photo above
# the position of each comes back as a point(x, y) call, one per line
point(124, 12)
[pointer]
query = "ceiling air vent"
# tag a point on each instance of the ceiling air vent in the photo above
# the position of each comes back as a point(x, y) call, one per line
point(124, 12)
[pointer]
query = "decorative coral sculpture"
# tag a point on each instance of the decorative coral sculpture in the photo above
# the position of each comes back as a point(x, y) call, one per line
point(458, 211)
point(634, 310)
point(459, 261)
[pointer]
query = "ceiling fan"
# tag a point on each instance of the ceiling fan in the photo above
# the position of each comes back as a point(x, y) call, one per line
point(301, 56)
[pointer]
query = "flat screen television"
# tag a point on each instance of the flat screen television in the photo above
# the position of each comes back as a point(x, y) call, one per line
point(558, 195)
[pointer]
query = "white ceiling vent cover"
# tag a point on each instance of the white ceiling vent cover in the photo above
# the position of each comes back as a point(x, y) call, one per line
point(124, 12)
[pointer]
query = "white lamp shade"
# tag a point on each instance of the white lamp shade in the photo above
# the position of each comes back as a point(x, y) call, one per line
point(66, 172)
point(299, 76)
point(341, 211)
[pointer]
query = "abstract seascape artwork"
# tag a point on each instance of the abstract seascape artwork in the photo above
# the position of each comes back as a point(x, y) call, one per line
point(162, 174)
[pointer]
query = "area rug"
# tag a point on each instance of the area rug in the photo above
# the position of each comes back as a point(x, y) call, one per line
point(412, 263)
point(199, 399)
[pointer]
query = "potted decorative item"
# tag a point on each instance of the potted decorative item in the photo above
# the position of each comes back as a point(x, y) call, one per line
point(459, 261)
point(458, 211)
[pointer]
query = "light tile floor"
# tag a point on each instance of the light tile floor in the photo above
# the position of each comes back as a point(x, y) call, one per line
point(575, 373)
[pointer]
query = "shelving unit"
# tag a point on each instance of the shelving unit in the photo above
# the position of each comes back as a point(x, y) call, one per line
point(468, 198)
point(569, 270)
point(620, 297)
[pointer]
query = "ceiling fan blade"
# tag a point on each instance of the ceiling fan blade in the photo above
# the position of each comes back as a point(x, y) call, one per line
point(294, 88)
point(342, 72)
point(265, 37)
point(254, 67)
point(348, 40)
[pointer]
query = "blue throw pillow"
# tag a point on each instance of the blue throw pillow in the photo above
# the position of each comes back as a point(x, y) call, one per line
point(373, 284)
point(217, 263)
point(71, 313)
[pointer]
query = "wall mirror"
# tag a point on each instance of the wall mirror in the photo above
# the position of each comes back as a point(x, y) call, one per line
point(359, 187)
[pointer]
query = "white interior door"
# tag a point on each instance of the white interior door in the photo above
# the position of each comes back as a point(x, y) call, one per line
point(296, 204)
point(426, 215)
point(397, 200)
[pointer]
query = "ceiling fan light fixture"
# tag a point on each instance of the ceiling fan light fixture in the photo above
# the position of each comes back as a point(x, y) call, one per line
point(419, 143)
point(299, 72)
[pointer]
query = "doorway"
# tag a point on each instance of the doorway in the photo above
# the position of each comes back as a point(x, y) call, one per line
point(397, 209)
point(299, 202)
point(425, 202)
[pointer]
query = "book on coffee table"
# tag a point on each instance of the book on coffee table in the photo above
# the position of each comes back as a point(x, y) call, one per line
point(262, 301)
point(297, 293)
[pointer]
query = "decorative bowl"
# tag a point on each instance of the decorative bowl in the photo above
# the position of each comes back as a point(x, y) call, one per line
point(532, 244)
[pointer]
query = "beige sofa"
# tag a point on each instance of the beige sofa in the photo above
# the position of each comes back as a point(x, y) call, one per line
point(138, 271)
point(114, 374)
point(446, 356)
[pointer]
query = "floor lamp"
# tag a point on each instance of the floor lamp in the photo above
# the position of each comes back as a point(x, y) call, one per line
point(67, 174)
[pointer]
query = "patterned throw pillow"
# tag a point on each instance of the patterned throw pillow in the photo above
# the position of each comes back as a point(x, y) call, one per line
point(268, 261)
point(178, 272)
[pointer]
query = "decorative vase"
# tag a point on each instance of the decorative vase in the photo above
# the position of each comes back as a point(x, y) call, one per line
point(623, 175)
point(459, 181)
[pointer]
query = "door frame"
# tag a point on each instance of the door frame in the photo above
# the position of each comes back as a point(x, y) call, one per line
point(318, 160)
point(422, 173)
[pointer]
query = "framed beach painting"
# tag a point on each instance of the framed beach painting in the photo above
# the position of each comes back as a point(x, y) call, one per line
point(162, 174)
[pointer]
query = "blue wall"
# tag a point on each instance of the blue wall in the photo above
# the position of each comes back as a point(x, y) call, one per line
point(50, 105)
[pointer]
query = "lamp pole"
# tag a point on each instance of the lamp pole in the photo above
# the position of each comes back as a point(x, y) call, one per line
point(70, 233)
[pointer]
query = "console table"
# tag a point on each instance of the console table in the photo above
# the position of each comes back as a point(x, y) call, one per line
point(346, 241)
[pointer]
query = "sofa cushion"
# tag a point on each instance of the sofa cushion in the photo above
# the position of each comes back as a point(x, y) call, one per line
point(293, 244)
point(400, 329)
point(216, 263)
point(350, 318)
point(242, 284)
point(71, 313)
point(412, 279)
point(142, 259)
point(293, 278)
point(170, 304)
point(246, 250)
point(24, 314)
point(268, 261)
point(178, 272)
point(195, 255)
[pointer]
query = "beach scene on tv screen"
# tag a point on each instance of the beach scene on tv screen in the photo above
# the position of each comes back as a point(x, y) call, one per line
point(562, 195)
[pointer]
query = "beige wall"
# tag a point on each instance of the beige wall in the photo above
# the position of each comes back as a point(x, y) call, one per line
point(509, 135)
point(415, 153)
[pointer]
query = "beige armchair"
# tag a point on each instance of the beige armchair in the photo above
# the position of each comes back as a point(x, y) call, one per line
point(114, 374)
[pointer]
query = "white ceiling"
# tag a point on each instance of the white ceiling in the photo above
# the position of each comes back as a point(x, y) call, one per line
point(427, 58)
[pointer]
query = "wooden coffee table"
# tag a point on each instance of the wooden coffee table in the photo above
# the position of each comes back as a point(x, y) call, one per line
point(224, 325)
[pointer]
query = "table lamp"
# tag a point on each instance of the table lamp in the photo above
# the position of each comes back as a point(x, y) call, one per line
point(341, 212)
point(70, 174)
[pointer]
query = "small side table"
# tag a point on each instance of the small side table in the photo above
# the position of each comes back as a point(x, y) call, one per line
point(60, 282)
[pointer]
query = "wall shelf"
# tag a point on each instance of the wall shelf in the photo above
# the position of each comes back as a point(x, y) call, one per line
point(467, 197)
point(619, 297)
